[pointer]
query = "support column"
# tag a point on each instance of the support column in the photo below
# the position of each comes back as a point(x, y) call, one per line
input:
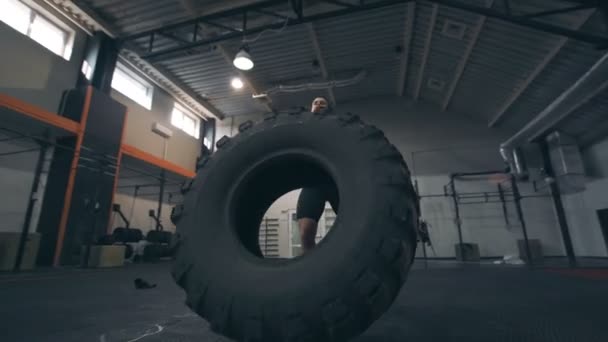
point(160, 198)
point(557, 203)
point(457, 219)
point(74, 178)
point(101, 55)
point(30, 207)
point(522, 222)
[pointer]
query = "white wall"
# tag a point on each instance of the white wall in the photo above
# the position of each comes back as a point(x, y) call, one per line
point(595, 158)
point(137, 213)
point(35, 75)
point(581, 208)
point(16, 177)
point(435, 144)
point(182, 149)
point(280, 210)
point(486, 223)
point(431, 141)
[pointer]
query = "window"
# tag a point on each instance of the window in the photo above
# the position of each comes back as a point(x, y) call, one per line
point(86, 69)
point(185, 121)
point(132, 86)
point(41, 29)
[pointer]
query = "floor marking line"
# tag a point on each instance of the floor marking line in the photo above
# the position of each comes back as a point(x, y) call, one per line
point(159, 329)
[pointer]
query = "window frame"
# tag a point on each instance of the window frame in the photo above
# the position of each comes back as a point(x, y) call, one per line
point(186, 113)
point(132, 76)
point(37, 11)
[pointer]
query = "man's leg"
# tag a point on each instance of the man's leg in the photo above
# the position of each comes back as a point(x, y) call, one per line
point(308, 233)
point(310, 208)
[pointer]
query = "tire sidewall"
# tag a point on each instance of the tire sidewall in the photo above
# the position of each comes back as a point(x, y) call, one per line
point(229, 272)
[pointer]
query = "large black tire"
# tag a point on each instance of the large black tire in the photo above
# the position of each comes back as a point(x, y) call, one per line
point(127, 234)
point(159, 236)
point(335, 291)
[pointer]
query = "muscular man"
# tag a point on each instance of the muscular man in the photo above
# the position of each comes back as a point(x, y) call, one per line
point(311, 202)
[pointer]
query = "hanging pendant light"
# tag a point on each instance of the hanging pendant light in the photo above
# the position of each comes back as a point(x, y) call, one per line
point(242, 60)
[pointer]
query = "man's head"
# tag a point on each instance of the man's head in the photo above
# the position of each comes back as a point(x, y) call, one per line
point(319, 104)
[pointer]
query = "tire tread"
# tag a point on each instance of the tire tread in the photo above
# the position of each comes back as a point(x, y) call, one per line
point(371, 288)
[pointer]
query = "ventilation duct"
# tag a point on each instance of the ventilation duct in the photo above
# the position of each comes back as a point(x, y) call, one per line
point(584, 89)
point(516, 161)
point(567, 163)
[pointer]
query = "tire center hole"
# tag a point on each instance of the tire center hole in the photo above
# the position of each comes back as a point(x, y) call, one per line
point(284, 206)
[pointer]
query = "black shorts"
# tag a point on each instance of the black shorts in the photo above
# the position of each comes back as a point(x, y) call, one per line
point(311, 202)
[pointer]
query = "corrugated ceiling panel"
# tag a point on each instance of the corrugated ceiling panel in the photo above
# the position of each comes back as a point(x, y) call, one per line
point(280, 57)
point(378, 82)
point(590, 122)
point(137, 15)
point(503, 57)
point(422, 22)
point(446, 52)
point(209, 75)
point(239, 104)
point(573, 60)
point(362, 40)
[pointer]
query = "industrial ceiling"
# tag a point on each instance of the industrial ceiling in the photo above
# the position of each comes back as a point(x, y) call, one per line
point(486, 65)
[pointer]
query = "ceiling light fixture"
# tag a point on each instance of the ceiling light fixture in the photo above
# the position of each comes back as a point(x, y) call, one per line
point(242, 60)
point(237, 83)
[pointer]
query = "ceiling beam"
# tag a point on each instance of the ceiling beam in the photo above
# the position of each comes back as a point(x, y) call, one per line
point(590, 85)
point(465, 58)
point(585, 99)
point(559, 11)
point(427, 49)
point(251, 29)
point(319, 55)
point(499, 116)
point(323, 13)
point(212, 7)
point(407, 46)
point(228, 56)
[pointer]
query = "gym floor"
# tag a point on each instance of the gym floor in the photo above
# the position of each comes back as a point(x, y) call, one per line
point(442, 301)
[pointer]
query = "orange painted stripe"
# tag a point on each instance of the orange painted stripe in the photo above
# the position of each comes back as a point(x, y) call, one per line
point(154, 160)
point(116, 176)
point(39, 114)
point(67, 201)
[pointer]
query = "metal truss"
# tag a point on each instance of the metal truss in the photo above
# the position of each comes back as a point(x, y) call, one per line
point(188, 36)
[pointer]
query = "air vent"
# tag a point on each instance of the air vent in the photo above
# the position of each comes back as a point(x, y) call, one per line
point(435, 83)
point(453, 29)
